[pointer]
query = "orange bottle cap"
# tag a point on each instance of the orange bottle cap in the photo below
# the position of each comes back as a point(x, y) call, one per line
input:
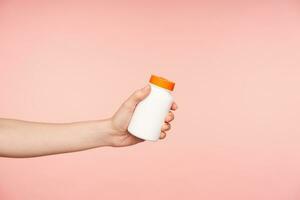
point(162, 82)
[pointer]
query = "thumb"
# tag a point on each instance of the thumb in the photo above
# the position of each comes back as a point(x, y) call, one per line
point(137, 96)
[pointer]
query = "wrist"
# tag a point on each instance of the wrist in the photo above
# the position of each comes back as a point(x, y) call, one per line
point(107, 132)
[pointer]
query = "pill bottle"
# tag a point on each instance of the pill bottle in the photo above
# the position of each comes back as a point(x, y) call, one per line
point(149, 115)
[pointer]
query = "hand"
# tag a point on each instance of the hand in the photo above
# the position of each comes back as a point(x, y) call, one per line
point(52, 138)
point(120, 120)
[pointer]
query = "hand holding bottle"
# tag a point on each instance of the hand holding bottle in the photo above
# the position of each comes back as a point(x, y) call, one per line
point(122, 117)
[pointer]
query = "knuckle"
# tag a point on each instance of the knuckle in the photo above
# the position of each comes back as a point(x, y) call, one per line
point(168, 127)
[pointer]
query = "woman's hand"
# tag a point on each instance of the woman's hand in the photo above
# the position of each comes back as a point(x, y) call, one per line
point(120, 121)
point(23, 139)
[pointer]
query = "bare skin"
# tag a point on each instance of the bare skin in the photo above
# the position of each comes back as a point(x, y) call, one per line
point(23, 139)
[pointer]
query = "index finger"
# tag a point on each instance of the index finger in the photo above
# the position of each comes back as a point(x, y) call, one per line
point(174, 106)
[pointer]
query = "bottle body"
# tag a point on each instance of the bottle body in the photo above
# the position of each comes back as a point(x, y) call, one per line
point(149, 114)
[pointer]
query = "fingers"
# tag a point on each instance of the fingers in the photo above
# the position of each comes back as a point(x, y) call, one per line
point(137, 97)
point(170, 117)
point(166, 127)
point(174, 106)
point(162, 135)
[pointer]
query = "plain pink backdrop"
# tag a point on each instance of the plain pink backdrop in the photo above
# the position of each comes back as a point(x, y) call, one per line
point(237, 67)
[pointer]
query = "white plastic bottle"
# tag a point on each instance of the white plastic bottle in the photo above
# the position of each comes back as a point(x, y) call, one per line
point(149, 114)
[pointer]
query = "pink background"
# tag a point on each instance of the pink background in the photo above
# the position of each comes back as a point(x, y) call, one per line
point(237, 68)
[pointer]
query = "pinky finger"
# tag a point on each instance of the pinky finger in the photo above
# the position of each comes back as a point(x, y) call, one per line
point(162, 135)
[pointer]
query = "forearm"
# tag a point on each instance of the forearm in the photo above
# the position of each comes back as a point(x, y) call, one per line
point(30, 139)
